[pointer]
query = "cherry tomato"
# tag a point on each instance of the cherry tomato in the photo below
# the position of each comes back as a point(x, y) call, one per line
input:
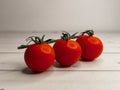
point(39, 57)
point(91, 46)
point(67, 52)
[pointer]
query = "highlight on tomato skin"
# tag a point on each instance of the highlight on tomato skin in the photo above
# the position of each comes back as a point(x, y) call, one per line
point(67, 52)
point(39, 57)
point(92, 47)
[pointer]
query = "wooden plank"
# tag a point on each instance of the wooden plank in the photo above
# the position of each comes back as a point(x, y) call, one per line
point(104, 62)
point(111, 40)
point(60, 80)
point(9, 41)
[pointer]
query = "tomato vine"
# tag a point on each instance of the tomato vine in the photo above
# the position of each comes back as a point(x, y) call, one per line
point(65, 36)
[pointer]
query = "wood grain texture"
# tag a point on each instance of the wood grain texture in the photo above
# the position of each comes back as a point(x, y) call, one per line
point(101, 74)
point(16, 62)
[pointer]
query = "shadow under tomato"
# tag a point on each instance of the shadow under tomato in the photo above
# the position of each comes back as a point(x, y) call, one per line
point(34, 76)
point(84, 60)
point(28, 71)
point(57, 65)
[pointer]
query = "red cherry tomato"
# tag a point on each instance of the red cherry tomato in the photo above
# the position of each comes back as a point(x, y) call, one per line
point(39, 57)
point(91, 46)
point(67, 52)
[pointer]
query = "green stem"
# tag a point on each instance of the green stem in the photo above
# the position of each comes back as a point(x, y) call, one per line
point(66, 36)
point(23, 46)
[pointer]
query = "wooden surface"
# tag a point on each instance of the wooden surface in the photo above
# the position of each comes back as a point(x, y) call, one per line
point(101, 74)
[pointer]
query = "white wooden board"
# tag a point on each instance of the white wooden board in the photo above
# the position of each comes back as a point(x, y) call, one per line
point(101, 74)
point(60, 80)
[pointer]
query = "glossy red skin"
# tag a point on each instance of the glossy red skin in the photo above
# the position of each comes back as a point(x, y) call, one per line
point(91, 46)
point(38, 58)
point(67, 54)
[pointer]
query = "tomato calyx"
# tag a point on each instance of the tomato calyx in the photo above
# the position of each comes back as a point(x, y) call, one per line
point(88, 32)
point(66, 36)
point(35, 40)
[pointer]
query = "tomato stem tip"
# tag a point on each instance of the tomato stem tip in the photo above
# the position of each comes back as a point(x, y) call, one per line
point(22, 46)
